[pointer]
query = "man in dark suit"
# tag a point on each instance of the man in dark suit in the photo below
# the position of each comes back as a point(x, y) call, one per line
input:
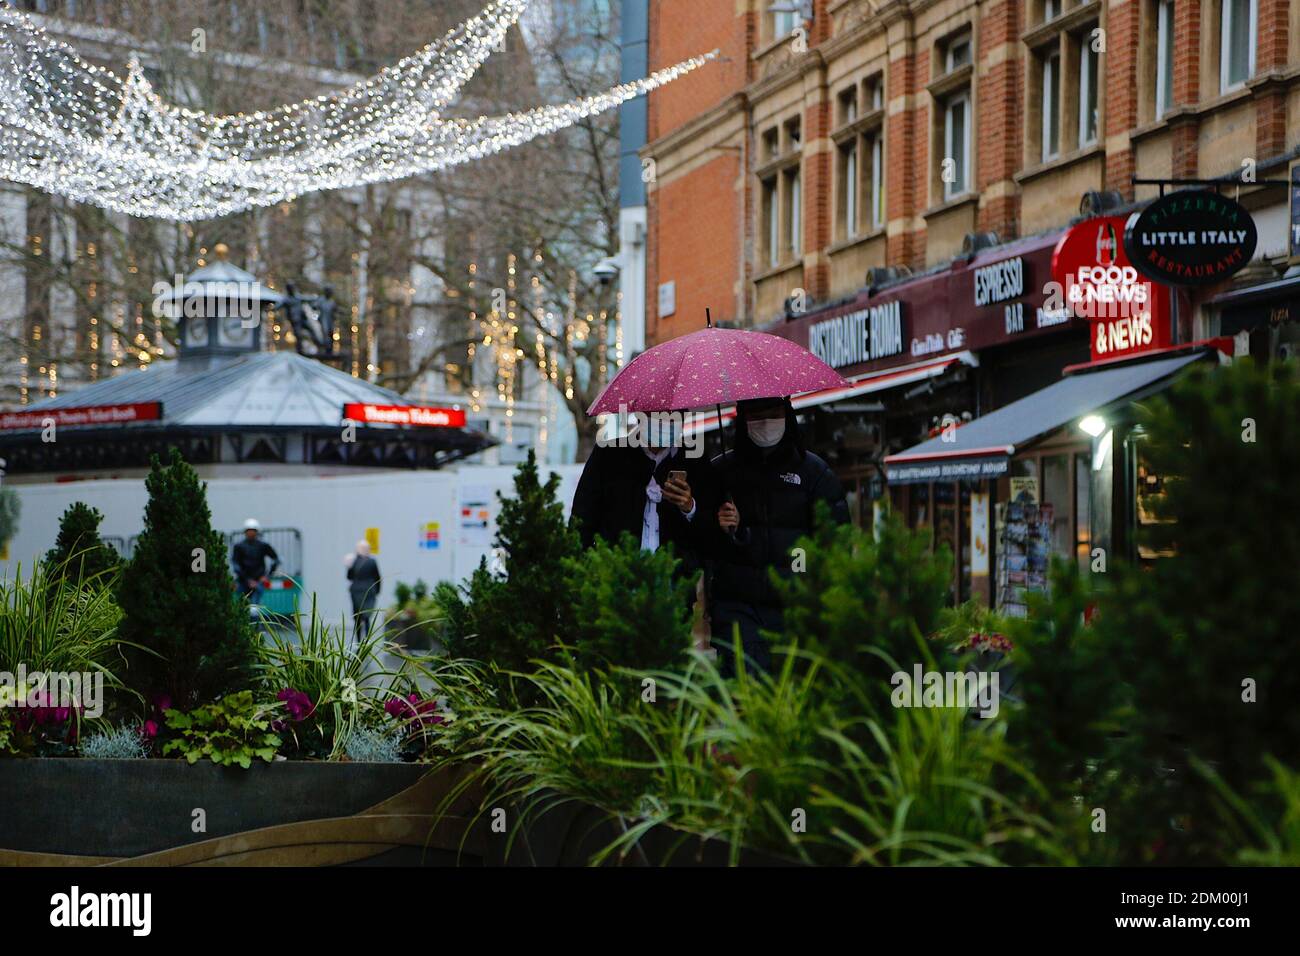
point(651, 487)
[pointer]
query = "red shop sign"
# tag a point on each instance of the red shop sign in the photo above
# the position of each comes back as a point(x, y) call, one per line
point(86, 415)
point(1128, 312)
point(404, 415)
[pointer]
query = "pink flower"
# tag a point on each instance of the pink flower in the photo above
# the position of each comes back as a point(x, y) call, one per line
point(297, 703)
point(150, 730)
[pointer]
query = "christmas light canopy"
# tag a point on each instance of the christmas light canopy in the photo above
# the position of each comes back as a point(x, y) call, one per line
point(78, 130)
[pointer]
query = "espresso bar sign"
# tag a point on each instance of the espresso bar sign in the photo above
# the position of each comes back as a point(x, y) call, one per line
point(861, 336)
point(1191, 237)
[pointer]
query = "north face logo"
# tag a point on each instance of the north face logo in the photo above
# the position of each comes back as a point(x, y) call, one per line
point(792, 478)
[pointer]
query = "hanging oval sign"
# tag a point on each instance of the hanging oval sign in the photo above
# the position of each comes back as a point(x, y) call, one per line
point(1190, 237)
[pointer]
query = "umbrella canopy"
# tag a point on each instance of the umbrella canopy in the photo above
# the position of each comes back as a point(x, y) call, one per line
point(714, 367)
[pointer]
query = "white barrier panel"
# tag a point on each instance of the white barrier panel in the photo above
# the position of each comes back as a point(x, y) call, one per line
point(430, 525)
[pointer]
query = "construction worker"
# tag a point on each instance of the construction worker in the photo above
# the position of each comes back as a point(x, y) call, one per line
point(249, 557)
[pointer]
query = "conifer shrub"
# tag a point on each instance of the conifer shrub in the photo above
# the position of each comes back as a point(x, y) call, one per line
point(79, 555)
point(195, 642)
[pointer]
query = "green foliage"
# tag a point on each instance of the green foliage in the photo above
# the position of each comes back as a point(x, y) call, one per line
point(867, 600)
point(628, 608)
point(1190, 630)
point(48, 623)
point(78, 553)
point(1066, 687)
point(11, 744)
point(10, 509)
point(734, 760)
point(199, 634)
point(1266, 824)
point(344, 681)
point(510, 620)
point(1124, 712)
point(968, 622)
point(231, 731)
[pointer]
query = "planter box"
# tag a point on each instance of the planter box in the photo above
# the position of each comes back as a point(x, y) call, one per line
point(80, 812)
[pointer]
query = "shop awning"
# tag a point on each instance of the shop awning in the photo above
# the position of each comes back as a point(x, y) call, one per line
point(858, 385)
point(983, 448)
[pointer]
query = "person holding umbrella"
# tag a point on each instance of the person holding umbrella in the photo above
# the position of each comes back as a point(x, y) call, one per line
point(766, 488)
point(771, 486)
point(649, 486)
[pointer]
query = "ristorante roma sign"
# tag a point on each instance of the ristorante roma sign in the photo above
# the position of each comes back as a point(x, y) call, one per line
point(1191, 237)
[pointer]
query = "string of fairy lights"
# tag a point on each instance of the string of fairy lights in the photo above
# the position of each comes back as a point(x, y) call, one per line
point(78, 130)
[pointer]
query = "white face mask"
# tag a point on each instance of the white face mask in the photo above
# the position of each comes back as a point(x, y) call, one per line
point(766, 432)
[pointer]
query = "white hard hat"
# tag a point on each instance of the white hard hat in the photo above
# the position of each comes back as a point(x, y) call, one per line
point(252, 525)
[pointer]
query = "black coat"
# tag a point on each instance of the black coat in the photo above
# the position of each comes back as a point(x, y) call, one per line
point(775, 490)
point(249, 558)
point(363, 573)
point(610, 499)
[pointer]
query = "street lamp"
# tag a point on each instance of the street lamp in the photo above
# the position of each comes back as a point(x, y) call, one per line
point(1094, 425)
point(607, 270)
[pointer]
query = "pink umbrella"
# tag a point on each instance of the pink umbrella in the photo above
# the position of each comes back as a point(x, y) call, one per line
point(714, 367)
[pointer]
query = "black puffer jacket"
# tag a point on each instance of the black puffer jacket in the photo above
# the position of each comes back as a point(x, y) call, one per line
point(775, 490)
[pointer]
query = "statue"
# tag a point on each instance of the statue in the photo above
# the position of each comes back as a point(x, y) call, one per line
point(312, 319)
point(325, 307)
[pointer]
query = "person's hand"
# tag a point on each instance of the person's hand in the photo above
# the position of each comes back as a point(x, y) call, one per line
point(679, 493)
point(728, 517)
point(251, 582)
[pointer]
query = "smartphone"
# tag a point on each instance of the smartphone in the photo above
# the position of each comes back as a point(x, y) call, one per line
point(677, 476)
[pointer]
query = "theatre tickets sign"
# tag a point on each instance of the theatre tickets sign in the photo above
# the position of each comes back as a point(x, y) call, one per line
point(1192, 237)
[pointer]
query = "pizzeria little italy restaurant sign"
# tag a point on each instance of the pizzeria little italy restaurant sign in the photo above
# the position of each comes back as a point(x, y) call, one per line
point(1192, 237)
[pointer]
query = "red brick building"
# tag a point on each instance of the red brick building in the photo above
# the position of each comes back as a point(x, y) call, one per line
point(893, 183)
point(884, 132)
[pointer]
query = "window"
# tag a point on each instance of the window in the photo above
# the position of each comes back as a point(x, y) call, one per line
point(956, 144)
point(785, 22)
point(849, 105)
point(876, 93)
point(958, 54)
point(849, 189)
point(858, 170)
point(780, 185)
point(877, 181)
point(1164, 57)
point(792, 211)
point(1051, 10)
point(1089, 63)
point(1051, 100)
point(772, 231)
point(771, 144)
point(1236, 43)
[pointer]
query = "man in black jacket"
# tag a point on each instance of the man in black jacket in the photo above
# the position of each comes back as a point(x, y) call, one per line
point(769, 486)
point(627, 487)
point(249, 558)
